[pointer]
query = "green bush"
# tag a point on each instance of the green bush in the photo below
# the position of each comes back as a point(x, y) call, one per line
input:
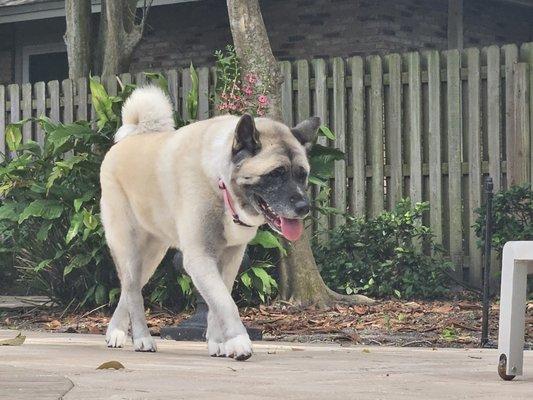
point(383, 256)
point(512, 217)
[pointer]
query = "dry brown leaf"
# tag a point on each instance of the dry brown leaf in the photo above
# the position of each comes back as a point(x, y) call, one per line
point(111, 365)
point(16, 341)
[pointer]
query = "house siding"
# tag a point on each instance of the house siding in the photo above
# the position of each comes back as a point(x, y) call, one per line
point(180, 33)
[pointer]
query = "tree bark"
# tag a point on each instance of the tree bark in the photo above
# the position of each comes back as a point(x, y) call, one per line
point(253, 49)
point(78, 37)
point(300, 281)
point(119, 34)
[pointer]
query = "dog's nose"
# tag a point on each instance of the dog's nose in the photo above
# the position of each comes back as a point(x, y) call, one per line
point(301, 207)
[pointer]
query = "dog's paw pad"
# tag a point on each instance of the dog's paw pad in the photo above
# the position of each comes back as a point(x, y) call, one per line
point(116, 338)
point(146, 343)
point(239, 347)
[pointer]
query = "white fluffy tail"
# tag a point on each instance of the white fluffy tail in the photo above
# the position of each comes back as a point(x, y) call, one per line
point(148, 109)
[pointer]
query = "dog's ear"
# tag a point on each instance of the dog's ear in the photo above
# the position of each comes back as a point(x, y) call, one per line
point(306, 131)
point(246, 136)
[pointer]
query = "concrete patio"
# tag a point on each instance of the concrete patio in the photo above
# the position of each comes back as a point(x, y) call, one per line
point(54, 366)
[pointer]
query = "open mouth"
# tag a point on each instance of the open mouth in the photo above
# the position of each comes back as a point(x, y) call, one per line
point(290, 228)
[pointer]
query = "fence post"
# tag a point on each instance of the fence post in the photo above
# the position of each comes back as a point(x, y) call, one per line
point(518, 138)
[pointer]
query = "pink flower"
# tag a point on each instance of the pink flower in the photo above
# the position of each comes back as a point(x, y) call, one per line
point(251, 78)
point(262, 99)
point(247, 90)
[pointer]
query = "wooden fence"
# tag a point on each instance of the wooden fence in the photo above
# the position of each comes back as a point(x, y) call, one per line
point(427, 125)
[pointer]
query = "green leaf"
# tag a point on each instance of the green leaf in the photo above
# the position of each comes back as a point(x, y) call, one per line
point(13, 136)
point(103, 105)
point(268, 240)
point(75, 224)
point(264, 276)
point(159, 79)
point(192, 96)
point(245, 278)
point(47, 209)
point(11, 211)
point(43, 264)
point(100, 294)
point(113, 295)
point(185, 284)
point(42, 234)
point(322, 160)
point(325, 131)
point(89, 220)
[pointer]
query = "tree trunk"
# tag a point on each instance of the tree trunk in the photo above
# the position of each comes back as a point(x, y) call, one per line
point(78, 37)
point(300, 282)
point(119, 35)
point(253, 49)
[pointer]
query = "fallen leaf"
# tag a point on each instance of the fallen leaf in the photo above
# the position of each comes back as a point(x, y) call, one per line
point(111, 365)
point(55, 324)
point(16, 341)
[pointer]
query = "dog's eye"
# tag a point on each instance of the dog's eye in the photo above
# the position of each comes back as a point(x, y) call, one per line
point(276, 173)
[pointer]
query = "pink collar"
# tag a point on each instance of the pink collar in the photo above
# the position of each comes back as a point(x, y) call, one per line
point(229, 203)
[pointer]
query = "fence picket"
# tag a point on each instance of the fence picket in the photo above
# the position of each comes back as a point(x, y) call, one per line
point(474, 161)
point(303, 100)
point(203, 93)
point(321, 111)
point(393, 123)
point(454, 159)
point(2, 122)
point(286, 93)
point(81, 96)
point(510, 52)
point(358, 144)
point(68, 103)
point(526, 53)
point(415, 134)
point(53, 89)
point(518, 139)
point(376, 134)
point(186, 85)
point(435, 147)
point(339, 127)
point(173, 85)
point(26, 111)
point(494, 115)
point(40, 109)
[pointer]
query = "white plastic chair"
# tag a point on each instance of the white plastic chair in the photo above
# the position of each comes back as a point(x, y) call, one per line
point(517, 264)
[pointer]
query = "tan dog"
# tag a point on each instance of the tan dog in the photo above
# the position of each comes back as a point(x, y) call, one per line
point(204, 189)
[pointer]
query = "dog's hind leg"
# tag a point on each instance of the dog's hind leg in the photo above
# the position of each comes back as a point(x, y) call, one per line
point(136, 254)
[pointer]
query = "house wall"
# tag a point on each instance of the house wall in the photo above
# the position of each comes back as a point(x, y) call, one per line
point(325, 28)
point(180, 33)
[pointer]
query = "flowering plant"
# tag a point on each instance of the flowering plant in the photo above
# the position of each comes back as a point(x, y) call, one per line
point(237, 94)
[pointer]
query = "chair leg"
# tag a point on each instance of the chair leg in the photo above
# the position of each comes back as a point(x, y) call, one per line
point(512, 315)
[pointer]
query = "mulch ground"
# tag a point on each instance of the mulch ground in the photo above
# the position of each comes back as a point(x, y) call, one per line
point(393, 322)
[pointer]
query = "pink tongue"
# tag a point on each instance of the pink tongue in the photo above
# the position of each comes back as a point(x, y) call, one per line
point(291, 228)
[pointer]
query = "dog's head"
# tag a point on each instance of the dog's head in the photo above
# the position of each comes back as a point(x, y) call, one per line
point(270, 170)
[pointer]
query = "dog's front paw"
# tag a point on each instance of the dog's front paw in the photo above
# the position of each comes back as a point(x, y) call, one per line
point(115, 338)
point(145, 343)
point(216, 349)
point(239, 347)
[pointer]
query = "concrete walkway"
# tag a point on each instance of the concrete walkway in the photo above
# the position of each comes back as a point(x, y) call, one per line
point(52, 366)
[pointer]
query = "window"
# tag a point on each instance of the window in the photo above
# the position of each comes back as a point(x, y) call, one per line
point(45, 63)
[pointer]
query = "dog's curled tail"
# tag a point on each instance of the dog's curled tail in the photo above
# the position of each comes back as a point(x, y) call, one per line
point(148, 109)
